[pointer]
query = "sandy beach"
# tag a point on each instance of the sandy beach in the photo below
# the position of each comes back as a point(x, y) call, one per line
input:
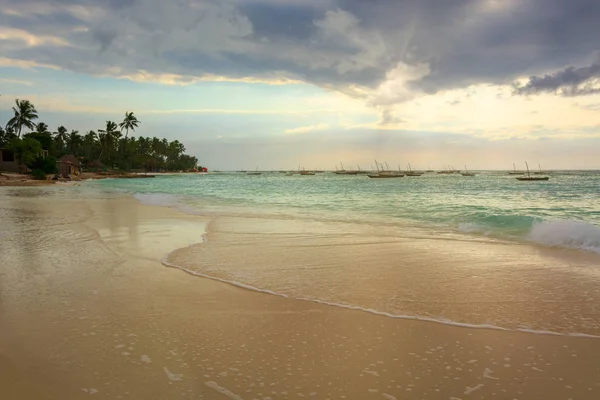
point(88, 309)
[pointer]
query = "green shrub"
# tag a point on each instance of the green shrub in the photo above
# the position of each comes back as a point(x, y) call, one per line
point(47, 165)
point(38, 175)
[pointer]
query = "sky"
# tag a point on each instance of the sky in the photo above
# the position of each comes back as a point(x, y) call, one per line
point(314, 83)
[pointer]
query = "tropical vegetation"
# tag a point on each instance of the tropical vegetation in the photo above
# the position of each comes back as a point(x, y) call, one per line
point(107, 147)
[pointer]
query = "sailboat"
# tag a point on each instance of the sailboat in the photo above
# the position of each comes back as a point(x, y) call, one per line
point(255, 172)
point(515, 172)
point(446, 171)
point(532, 178)
point(410, 172)
point(540, 171)
point(305, 172)
point(467, 173)
point(382, 173)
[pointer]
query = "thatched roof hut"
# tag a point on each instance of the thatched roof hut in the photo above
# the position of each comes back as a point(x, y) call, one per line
point(96, 164)
point(68, 165)
point(70, 159)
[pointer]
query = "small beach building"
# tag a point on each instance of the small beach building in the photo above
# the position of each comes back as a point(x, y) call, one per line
point(8, 161)
point(68, 165)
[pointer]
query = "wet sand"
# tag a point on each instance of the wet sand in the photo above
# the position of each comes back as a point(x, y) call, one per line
point(87, 309)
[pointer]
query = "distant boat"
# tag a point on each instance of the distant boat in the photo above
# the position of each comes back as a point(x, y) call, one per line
point(467, 173)
point(382, 173)
point(343, 171)
point(410, 172)
point(515, 172)
point(532, 178)
point(540, 171)
point(304, 172)
point(447, 171)
point(255, 172)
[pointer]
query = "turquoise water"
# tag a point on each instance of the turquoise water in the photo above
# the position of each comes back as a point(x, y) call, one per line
point(564, 211)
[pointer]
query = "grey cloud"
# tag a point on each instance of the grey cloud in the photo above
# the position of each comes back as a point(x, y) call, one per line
point(388, 118)
point(568, 82)
point(335, 44)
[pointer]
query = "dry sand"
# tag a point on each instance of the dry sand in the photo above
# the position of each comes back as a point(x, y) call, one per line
point(87, 309)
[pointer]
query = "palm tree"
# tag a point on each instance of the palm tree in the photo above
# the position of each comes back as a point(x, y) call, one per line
point(129, 122)
point(111, 136)
point(25, 113)
point(7, 136)
point(42, 128)
point(74, 141)
point(61, 137)
point(89, 140)
point(42, 135)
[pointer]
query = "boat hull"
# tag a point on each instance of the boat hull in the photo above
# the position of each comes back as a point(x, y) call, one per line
point(385, 176)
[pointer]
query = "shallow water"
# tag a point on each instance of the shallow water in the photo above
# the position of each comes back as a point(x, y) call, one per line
point(486, 251)
point(564, 211)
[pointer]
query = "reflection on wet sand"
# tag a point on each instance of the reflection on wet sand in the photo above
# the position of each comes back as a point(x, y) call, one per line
point(101, 316)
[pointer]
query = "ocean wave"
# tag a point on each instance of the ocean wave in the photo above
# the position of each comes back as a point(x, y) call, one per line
point(566, 233)
point(570, 234)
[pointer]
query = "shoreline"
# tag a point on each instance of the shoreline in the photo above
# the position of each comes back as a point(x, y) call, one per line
point(99, 314)
point(16, 180)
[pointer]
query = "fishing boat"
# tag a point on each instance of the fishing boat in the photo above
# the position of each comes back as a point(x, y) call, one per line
point(532, 178)
point(539, 172)
point(304, 172)
point(467, 173)
point(447, 171)
point(515, 172)
point(255, 172)
point(410, 172)
point(385, 173)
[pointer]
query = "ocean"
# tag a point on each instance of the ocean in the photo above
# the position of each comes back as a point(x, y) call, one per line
point(486, 251)
point(564, 211)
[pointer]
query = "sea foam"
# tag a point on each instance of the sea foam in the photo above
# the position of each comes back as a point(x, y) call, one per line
point(566, 233)
point(165, 261)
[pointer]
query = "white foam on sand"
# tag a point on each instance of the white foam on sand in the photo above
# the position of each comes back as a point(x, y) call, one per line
point(172, 201)
point(165, 261)
point(213, 385)
point(470, 390)
point(173, 377)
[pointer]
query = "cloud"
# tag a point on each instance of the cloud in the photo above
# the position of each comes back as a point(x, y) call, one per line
point(570, 81)
point(305, 129)
point(16, 82)
point(397, 87)
point(385, 52)
point(388, 118)
point(242, 111)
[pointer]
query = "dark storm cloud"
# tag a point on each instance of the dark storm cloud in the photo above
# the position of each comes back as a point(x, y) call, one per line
point(568, 82)
point(336, 44)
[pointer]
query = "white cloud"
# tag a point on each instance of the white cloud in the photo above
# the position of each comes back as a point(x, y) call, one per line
point(16, 82)
point(24, 37)
point(305, 129)
point(396, 87)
